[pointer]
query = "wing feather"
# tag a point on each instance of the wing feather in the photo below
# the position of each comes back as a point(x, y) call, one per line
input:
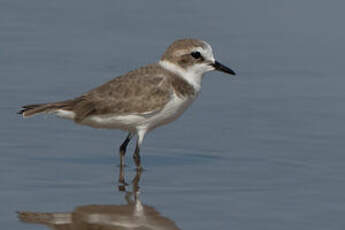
point(141, 91)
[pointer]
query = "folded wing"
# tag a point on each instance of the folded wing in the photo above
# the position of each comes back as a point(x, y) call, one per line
point(142, 91)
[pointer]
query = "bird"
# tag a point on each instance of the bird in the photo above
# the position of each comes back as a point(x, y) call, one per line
point(143, 99)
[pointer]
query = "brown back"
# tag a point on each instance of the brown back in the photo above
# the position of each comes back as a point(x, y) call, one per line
point(142, 91)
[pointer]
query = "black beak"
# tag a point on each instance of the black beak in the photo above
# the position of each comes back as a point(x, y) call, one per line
point(220, 67)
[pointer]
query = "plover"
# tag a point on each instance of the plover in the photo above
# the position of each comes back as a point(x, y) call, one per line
point(143, 99)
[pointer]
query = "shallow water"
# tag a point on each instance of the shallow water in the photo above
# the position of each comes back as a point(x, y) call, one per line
point(264, 150)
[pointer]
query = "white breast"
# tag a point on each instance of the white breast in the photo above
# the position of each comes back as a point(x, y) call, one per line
point(171, 111)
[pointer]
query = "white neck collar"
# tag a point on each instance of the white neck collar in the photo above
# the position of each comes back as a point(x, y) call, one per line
point(192, 77)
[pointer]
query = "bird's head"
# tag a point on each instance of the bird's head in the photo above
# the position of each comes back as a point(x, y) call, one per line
point(192, 56)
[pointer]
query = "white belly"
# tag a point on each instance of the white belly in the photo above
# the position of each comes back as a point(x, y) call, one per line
point(132, 122)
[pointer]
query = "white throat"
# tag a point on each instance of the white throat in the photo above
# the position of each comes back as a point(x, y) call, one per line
point(191, 75)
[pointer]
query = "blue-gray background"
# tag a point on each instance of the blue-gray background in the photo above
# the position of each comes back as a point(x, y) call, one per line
point(264, 150)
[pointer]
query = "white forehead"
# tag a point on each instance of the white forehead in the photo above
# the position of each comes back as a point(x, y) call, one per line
point(205, 51)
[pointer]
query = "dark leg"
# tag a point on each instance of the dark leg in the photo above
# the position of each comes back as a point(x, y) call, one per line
point(122, 182)
point(136, 155)
point(135, 183)
point(123, 148)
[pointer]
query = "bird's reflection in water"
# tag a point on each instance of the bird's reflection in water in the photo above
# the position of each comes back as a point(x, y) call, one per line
point(133, 215)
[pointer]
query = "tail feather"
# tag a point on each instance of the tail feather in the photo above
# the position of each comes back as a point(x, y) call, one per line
point(30, 110)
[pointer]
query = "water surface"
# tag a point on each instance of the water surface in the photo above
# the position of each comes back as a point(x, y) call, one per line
point(264, 150)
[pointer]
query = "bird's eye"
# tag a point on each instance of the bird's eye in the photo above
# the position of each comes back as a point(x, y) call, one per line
point(196, 54)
